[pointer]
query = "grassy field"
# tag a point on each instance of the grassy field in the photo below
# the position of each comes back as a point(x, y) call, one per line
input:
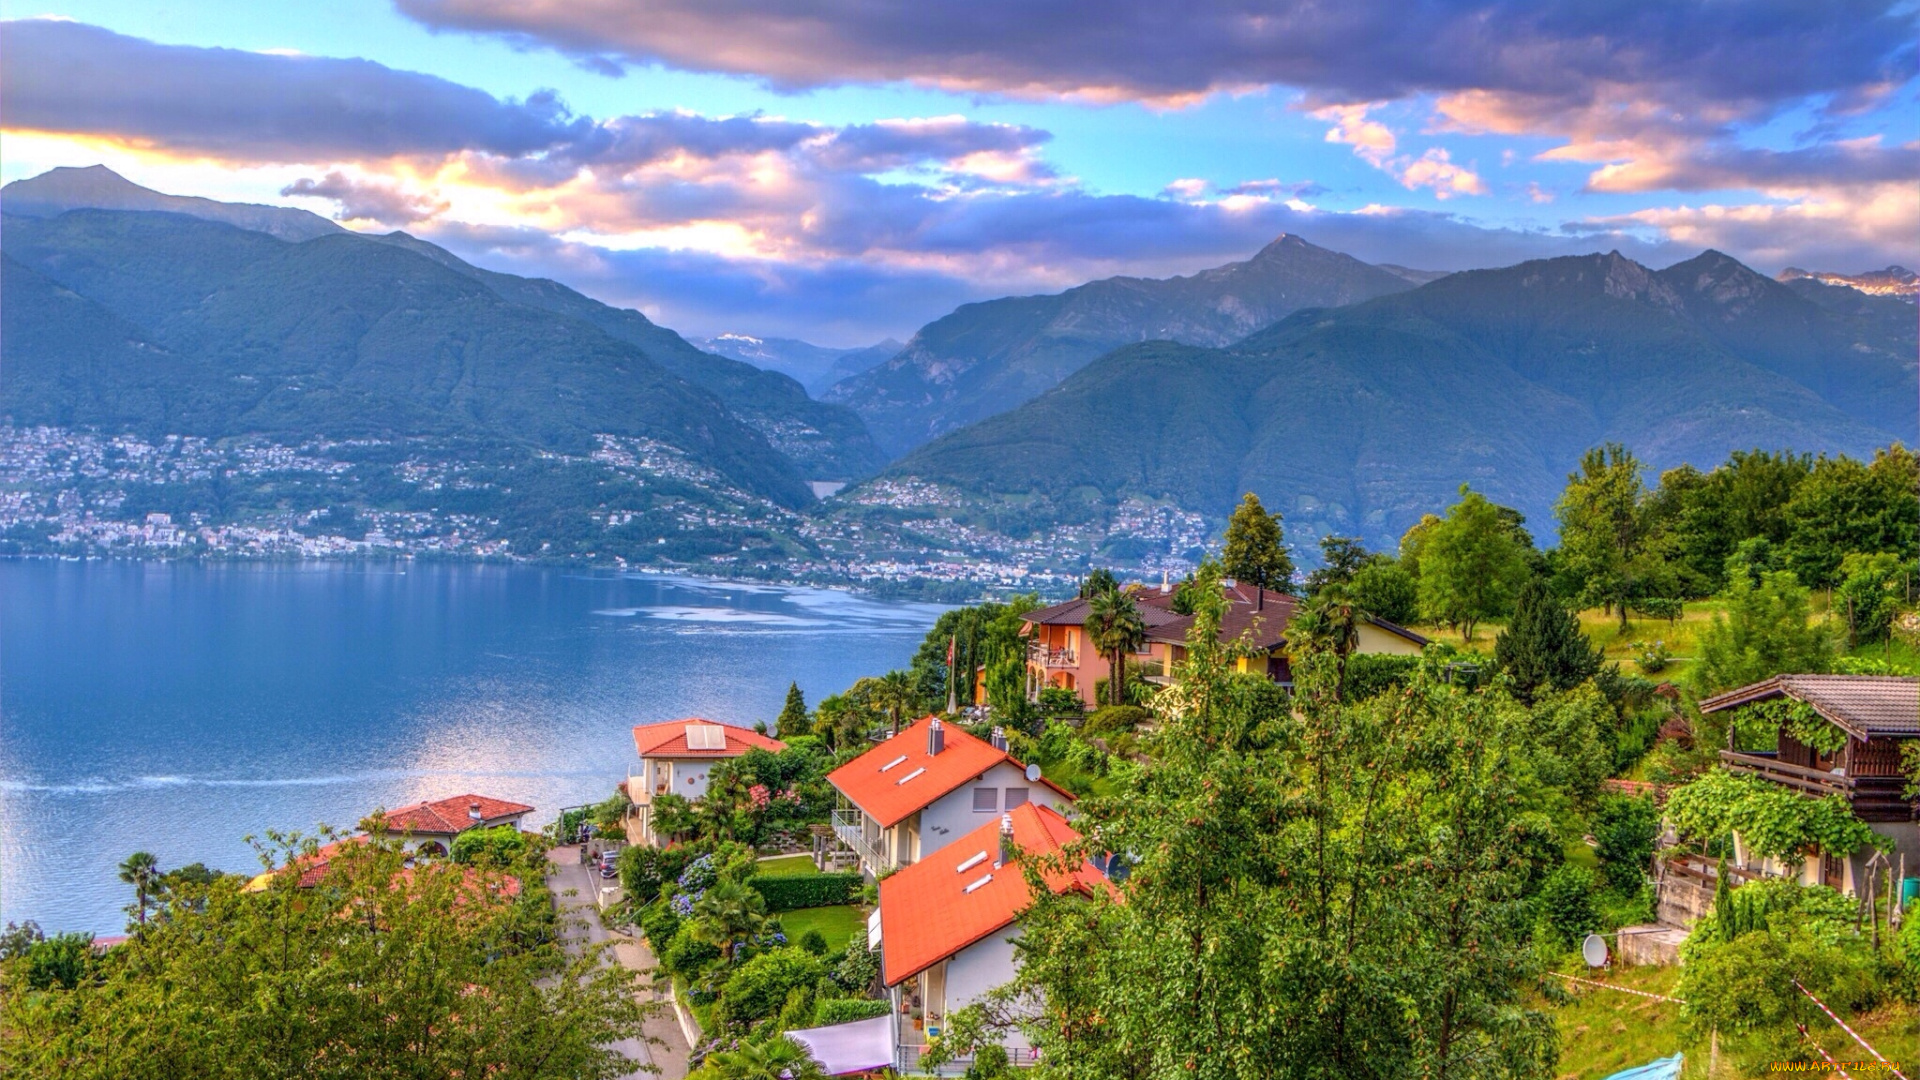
point(789, 864)
point(836, 924)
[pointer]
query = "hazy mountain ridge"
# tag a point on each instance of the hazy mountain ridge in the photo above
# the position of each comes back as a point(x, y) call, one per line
point(1896, 281)
point(988, 357)
point(1359, 419)
point(816, 367)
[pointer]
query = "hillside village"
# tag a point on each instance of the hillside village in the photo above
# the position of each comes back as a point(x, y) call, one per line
point(1005, 857)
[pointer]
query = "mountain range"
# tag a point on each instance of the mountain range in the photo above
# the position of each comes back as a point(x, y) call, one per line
point(989, 357)
point(1359, 419)
point(816, 367)
point(1897, 281)
point(279, 320)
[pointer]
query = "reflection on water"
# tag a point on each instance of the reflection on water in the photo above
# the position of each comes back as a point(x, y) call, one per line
point(180, 708)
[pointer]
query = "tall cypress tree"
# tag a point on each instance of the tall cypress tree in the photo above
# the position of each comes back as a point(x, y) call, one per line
point(1256, 550)
point(793, 718)
point(1543, 648)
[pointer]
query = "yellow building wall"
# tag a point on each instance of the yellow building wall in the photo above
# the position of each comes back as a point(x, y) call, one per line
point(1375, 640)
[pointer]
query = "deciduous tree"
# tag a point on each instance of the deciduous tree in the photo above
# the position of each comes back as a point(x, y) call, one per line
point(1256, 550)
point(1471, 566)
point(1609, 549)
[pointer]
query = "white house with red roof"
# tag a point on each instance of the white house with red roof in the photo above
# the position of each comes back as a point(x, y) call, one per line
point(947, 923)
point(676, 757)
point(430, 827)
point(920, 790)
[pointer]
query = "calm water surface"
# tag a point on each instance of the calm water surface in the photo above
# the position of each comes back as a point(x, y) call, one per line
point(180, 708)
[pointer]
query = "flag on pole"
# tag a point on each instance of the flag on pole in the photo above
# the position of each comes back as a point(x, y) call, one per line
point(953, 678)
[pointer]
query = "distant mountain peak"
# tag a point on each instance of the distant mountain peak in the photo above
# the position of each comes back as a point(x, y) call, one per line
point(1896, 280)
point(96, 187)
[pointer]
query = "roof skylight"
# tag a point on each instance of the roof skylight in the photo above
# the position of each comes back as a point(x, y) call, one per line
point(977, 884)
point(896, 761)
point(972, 861)
point(909, 776)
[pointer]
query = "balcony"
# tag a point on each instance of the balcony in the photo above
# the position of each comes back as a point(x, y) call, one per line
point(850, 828)
point(1815, 782)
point(1053, 658)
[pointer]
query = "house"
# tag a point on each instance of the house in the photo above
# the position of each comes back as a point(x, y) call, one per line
point(1058, 653)
point(1878, 715)
point(946, 924)
point(429, 827)
point(675, 758)
point(920, 790)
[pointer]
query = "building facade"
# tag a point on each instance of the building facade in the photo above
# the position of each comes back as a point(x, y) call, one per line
point(676, 758)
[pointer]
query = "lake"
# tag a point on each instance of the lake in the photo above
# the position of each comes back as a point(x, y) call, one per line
point(179, 708)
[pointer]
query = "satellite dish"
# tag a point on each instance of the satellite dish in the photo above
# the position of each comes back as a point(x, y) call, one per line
point(1594, 951)
point(1033, 773)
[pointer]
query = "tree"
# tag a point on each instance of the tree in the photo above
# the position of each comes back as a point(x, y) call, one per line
point(1470, 565)
point(1413, 543)
point(1844, 507)
point(1114, 629)
point(892, 695)
point(1764, 632)
point(1542, 647)
point(1707, 515)
point(500, 847)
point(1609, 548)
point(1871, 590)
point(1322, 889)
point(141, 871)
point(1101, 580)
point(729, 913)
point(793, 720)
point(779, 1058)
point(1341, 557)
point(382, 971)
point(1328, 623)
point(1385, 590)
point(1256, 550)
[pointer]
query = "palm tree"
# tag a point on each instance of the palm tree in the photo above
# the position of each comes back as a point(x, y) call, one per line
point(1114, 628)
point(141, 871)
point(728, 912)
point(1330, 622)
point(893, 694)
point(776, 1059)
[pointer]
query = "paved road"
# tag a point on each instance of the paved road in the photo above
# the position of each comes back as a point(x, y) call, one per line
point(669, 1054)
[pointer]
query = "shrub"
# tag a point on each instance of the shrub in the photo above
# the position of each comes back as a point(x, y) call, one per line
point(787, 892)
point(798, 1011)
point(1566, 905)
point(759, 988)
point(686, 955)
point(859, 968)
point(1746, 985)
point(1652, 657)
point(644, 870)
point(659, 924)
point(1371, 674)
point(990, 1062)
point(1115, 720)
point(814, 942)
point(59, 962)
point(847, 1010)
point(500, 846)
point(1625, 829)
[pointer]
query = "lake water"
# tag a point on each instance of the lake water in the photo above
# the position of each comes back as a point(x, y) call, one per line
point(178, 708)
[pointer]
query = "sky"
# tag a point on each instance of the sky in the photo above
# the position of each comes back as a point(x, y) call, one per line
point(846, 170)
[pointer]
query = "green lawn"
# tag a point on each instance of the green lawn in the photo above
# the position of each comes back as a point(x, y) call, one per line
point(788, 864)
point(836, 923)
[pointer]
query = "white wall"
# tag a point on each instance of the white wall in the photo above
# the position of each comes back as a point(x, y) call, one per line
point(982, 967)
point(689, 777)
point(953, 815)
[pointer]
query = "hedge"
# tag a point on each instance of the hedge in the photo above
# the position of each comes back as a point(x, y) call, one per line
point(1370, 674)
point(787, 892)
point(847, 1010)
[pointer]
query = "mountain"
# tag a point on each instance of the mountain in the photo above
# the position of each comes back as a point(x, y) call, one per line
point(817, 367)
point(986, 358)
point(337, 337)
point(97, 187)
point(1895, 281)
point(1360, 419)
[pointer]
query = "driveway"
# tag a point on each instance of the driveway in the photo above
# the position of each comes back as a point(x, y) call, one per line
point(669, 1054)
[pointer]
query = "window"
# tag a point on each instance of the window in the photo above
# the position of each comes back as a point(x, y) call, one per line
point(985, 799)
point(1016, 796)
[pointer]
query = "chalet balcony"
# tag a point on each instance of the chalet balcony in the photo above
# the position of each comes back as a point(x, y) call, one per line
point(1767, 766)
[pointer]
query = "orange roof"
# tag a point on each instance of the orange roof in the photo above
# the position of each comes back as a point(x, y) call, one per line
point(674, 739)
point(444, 817)
point(898, 777)
point(927, 913)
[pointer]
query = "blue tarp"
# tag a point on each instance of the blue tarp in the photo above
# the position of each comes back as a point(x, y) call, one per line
point(1664, 1069)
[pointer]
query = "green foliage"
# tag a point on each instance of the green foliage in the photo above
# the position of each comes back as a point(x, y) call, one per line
point(778, 1058)
point(1771, 820)
point(989, 1063)
point(1871, 592)
point(786, 892)
point(1566, 905)
point(60, 962)
point(814, 942)
point(1652, 657)
point(860, 967)
point(1765, 632)
point(726, 914)
point(688, 952)
point(1060, 701)
point(847, 1010)
point(1115, 628)
point(1386, 589)
point(659, 923)
point(1612, 551)
point(1115, 720)
point(1471, 564)
point(644, 869)
point(1845, 506)
point(793, 719)
point(983, 636)
point(143, 873)
point(1624, 828)
point(1542, 648)
point(1368, 674)
point(333, 982)
point(1256, 547)
point(759, 988)
point(1565, 746)
point(1707, 515)
point(499, 847)
point(1341, 557)
point(894, 696)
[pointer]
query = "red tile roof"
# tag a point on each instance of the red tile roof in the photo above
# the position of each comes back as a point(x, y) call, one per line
point(1260, 614)
point(669, 739)
point(446, 817)
point(926, 912)
point(898, 778)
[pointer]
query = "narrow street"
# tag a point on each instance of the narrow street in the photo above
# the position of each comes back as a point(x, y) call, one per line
point(669, 1054)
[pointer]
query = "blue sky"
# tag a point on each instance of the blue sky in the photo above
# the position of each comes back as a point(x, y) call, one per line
point(842, 171)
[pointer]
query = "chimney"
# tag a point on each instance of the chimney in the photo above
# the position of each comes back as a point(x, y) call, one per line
point(998, 738)
point(473, 810)
point(1006, 840)
point(1166, 583)
point(936, 737)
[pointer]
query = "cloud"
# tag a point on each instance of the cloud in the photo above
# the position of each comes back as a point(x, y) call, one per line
point(1374, 143)
point(1357, 50)
point(367, 200)
point(1435, 169)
